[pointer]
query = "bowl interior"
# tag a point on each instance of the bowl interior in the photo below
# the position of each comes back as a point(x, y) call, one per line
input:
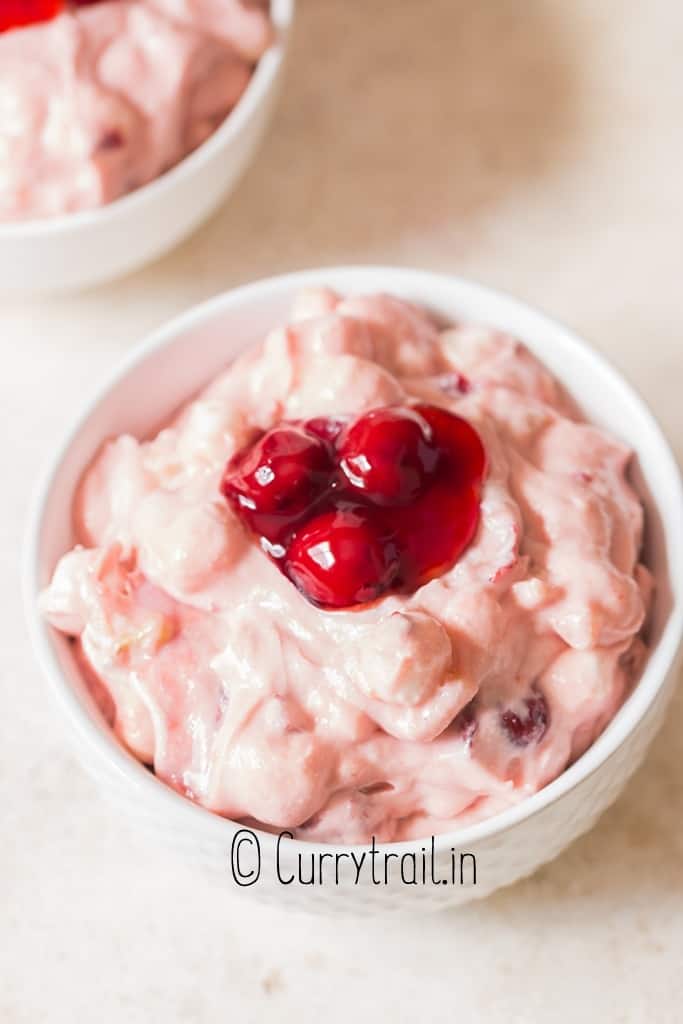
point(180, 358)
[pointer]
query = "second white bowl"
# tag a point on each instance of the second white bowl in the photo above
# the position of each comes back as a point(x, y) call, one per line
point(83, 249)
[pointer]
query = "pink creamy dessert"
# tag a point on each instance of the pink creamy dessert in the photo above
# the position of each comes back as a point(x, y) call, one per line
point(106, 97)
point(408, 713)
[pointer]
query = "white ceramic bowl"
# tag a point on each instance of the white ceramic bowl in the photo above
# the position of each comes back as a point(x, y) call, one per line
point(83, 249)
point(185, 355)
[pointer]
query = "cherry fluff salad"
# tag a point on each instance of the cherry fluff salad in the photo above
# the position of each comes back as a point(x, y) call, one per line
point(100, 97)
point(380, 578)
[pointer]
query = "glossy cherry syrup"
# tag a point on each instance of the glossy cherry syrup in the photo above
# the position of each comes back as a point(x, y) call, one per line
point(20, 13)
point(351, 509)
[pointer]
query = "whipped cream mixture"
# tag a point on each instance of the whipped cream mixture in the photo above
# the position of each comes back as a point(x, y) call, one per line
point(399, 718)
point(106, 97)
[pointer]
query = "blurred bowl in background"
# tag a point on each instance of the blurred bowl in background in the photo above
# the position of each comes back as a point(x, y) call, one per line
point(81, 249)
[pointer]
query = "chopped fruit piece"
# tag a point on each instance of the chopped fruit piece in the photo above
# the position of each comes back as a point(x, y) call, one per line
point(388, 455)
point(465, 724)
point(276, 481)
point(327, 428)
point(340, 559)
point(454, 384)
point(530, 727)
point(398, 492)
point(111, 140)
point(19, 13)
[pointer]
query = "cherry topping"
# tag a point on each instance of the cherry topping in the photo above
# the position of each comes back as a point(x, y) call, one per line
point(349, 511)
point(278, 479)
point(521, 730)
point(19, 13)
point(459, 442)
point(441, 524)
point(340, 559)
point(388, 455)
point(443, 519)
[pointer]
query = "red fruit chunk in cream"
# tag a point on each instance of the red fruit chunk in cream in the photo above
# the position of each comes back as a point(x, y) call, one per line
point(107, 96)
point(419, 644)
point(19, 13)
point(529, 726)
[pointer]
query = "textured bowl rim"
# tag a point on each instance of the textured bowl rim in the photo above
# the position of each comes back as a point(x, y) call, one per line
point(258, 88)
point(207, 825)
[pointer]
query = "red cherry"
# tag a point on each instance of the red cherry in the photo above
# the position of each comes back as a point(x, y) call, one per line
point(435, 532)
point(530, 727)
point(459, 441)
point(19, 13)
point(436, 528)
point(340, 559)
point(388, 455)
point(278, 479)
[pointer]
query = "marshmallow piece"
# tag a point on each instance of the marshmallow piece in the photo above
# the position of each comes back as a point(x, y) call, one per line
point(533, 593)
point(209, 432)
point(280, 778)
point(332, 336)
point(406, 339)
point(65, 601)
point(403, 658)
point(110, 491)
point(342, 385)
point(180, 547)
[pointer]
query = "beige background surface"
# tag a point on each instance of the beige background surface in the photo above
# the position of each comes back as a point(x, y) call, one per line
point(535, 145)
